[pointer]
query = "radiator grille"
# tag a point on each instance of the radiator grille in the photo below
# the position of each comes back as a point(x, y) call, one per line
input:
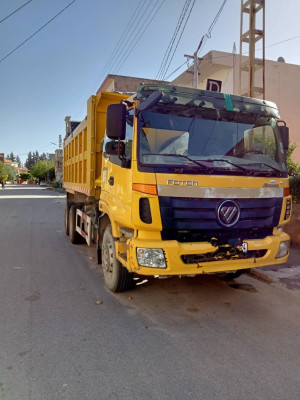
point(190, 219)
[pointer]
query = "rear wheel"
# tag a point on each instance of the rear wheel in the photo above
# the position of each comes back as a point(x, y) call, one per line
point(67, 210)
point(117, 278)
point(75, 238)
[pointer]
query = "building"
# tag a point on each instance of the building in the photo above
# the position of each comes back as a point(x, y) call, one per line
point(123, 84)
point(51, 156)
point(59, 165)
point(19, 170)
point(282, 85)
point(12, 163)
point(220, 70)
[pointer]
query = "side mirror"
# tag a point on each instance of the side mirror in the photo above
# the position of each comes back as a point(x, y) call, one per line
point(115, 148)
point(284, 130)
point(116, 121)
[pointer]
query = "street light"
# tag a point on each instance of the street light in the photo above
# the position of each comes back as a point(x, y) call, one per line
point(58, 145)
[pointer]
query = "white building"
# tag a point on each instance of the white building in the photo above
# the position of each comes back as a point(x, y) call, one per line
point(282, 85)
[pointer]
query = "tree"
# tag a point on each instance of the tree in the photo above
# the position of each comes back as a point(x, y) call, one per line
point(43, 170)
point(18, 160)
point(25, 176)
point(293, 167)
point(33, 157)
point(11, 172)
point(3, 173)
point(29, 160)
point(43, 157)
point(11, 156)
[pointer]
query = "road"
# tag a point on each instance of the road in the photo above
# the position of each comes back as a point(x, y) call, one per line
point(63, 336)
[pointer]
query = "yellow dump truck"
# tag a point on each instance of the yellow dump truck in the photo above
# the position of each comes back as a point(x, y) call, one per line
point(177, 181)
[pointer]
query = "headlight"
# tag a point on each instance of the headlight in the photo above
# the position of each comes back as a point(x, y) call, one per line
point(283, 249)
point(153, 258)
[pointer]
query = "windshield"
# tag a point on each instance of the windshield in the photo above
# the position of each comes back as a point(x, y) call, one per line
point(245, 144)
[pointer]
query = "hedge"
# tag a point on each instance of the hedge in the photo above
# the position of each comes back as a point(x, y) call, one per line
point(295, 186)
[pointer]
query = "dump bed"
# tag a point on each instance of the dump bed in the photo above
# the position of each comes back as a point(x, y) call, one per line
point(82, 147)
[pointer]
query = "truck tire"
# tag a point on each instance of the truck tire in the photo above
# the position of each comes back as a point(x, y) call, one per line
point(116, 276)
point(66, 220)
point(98, 248)
point(75, 238)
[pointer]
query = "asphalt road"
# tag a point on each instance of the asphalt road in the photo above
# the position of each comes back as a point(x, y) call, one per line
point(199, 338)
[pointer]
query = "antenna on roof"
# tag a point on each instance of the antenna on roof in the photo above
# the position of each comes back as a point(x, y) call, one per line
point(234, 48)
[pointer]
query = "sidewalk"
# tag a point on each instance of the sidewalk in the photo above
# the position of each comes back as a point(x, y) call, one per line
point(287, 274)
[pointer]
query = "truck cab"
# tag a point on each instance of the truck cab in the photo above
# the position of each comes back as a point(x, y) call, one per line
point(192, 182)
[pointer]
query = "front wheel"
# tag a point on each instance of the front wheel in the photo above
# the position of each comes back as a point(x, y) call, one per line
point(116, 277)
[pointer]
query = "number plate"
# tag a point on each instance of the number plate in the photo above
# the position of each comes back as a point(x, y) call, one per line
point(245, 247)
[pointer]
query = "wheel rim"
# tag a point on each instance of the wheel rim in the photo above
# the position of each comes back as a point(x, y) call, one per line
point(108, 259)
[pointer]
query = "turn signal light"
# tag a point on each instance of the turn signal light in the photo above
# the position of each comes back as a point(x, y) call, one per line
point(144, 188)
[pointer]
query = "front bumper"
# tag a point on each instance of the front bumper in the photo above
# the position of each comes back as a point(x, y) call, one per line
point(175, 253)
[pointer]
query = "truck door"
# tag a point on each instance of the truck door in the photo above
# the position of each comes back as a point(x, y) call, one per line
point(117, 179)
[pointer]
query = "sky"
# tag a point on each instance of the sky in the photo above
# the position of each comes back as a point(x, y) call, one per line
point(55, 71)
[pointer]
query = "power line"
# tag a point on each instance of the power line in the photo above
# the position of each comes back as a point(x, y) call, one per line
point(166, 55)
point(142, 17)
point(283, 41)
point(208, 34)
point(172, 73)
point(179, 40)
point(121, 40)
point(246, 53)
point(139, 16)
point(25, 4)
point(136, 28)
point(135, 42)
point(30, 37)
point(170, 46)
point(43, 148)
point(128, 32)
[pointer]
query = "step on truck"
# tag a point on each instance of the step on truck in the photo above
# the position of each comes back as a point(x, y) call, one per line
point(177, 181)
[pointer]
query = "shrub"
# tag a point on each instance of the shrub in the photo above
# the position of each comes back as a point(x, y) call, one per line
point(293, 167)
point(295, 187)
point(55, 185)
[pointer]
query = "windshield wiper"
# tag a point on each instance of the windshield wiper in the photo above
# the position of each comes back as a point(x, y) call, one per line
point(278, 171)
point(229, 162)
point(197, 162)
point(251, 171)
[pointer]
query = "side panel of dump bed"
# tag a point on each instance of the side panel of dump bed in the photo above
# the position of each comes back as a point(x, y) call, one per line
point(82, 148)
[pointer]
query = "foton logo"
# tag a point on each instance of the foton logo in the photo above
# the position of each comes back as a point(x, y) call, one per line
point(228, 213)
point(181, 183)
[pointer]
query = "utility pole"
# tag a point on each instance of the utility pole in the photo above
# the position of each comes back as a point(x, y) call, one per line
point(252, 70)
point(196, 68)
point(196, 61)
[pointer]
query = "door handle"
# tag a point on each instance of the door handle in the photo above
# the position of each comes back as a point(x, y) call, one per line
point(111, 180)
